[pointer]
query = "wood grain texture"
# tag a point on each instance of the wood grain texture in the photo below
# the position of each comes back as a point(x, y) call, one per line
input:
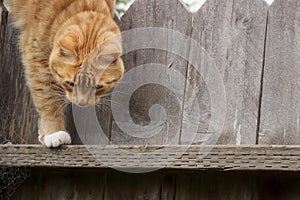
point(204, 187)
point(163, 14)
point(232, 34)
point(62, 185)
point(278, 187)
point(131, 186)
point(89, 184)
point(280, 109)
point(3, 21)
point(18, 116)
point(140, 186)
point(85, 124)
point(168, 187)
point(145, 158)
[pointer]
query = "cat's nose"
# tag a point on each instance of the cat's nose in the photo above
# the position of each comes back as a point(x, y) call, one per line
point(82, 103)
point(83, 96)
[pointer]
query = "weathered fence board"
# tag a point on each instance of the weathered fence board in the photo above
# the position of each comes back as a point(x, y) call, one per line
point(3, 21)
point(159, 186)
point(84, 124)
point(81, 184)
point(221, 187)
point(58, 185)
point(18, 117)
point(154, 13)
point(256, 49)
point(233, 34)
point(142, 158)
point(280, 108)
point(133, 187)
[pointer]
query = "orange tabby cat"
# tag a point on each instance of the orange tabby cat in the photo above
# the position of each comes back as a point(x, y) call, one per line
point(71, 49)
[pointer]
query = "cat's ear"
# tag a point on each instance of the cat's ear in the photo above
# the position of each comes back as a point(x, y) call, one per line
point(67, 48)
point(110, 51)
point(107, 59)
point(111, 6)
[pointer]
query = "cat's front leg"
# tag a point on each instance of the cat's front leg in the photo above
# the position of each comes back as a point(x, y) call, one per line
point(50, 104)
point(52, 131)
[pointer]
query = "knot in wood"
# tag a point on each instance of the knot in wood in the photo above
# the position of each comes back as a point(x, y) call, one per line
point(244, 23)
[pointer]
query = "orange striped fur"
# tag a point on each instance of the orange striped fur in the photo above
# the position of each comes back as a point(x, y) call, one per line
point(71, 51)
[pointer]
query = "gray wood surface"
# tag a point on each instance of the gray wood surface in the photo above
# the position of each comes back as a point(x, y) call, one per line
point(142, 158)
point(85, 124)
point(19, 119)
point(154, 13)
point(3, 17)
point(280, 108)
point(3, 21)
point(232, 33)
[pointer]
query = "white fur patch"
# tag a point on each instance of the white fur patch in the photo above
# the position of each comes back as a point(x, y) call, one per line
point(56, 139)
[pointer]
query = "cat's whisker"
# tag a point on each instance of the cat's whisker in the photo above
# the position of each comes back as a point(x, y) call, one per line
point(57, 86)
point(111, 102)
point(103, 108)
point(58, 89)
point(127, 82)
point(115, 93)
point(59, 93)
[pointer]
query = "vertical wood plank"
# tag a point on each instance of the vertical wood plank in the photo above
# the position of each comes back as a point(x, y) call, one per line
point(168, 187)
point(164, 14)
point(94, 185)
point(3, 20)
point(223, 187)
point(62, 185)
point(233, 34)
point(133, 186)
point(84, 128)
point(3, 24)
point(278, 187)
point(18, 116)
point(280, 108)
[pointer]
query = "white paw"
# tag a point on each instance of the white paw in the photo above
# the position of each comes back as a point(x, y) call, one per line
point(56, 139)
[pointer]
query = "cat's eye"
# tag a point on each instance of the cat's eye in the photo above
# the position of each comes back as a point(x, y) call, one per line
point(71, 84)
point(98, 87)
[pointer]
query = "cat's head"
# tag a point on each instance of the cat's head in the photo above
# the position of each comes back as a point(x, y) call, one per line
point(85, 65)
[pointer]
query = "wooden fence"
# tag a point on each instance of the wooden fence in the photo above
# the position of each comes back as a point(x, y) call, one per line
point(256, 49)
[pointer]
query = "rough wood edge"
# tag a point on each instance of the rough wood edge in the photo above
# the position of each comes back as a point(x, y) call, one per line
point(220, 158)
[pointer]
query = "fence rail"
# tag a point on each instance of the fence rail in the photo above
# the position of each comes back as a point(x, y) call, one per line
point(219, 158)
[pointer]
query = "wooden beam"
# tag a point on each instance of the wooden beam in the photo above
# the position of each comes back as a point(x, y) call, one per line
point(220, 158)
